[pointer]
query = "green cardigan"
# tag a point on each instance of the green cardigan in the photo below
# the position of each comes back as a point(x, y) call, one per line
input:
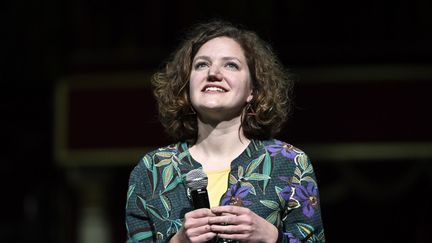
point(272, 178)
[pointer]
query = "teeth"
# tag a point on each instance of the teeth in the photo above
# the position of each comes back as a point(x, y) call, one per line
point(214, 89)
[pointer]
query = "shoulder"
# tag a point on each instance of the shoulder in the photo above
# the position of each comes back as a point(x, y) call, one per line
point(277, 148)
point(289, 160)
point(285, 154)
point(156, 156)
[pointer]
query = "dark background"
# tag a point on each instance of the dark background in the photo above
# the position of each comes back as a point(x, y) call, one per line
point(364, 77)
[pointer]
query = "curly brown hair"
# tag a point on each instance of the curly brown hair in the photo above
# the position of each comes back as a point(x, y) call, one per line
point(262, 118)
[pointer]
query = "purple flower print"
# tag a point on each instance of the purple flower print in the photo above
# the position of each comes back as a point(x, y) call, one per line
point(235, 196)
point(280, 147)
point(291, 238)
point(286, 193)
point(308, 198)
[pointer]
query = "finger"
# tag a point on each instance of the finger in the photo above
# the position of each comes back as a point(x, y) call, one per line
point(228, 229)
point(197, 231)
point(230, 209)
point(233, 236)
point(195, 222)
point(204, 237)
point(199, 213)
point(224, 220)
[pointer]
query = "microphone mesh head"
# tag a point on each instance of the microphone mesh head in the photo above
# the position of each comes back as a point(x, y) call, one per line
point(196, 179)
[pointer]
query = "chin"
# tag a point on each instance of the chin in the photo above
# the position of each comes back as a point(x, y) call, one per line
point(212, 108)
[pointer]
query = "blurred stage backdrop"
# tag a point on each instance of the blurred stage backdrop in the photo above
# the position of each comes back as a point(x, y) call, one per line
point(78, 114)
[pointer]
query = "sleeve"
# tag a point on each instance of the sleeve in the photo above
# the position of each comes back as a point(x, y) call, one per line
point(301, 221)
point(138, 224)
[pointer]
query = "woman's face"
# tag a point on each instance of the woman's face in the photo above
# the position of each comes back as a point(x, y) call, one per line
point(220, 83)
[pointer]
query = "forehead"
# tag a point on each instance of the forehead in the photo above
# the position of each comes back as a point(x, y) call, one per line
point(221, 46)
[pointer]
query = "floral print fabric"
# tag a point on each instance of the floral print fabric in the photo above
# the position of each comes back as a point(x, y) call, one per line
point(272, 178)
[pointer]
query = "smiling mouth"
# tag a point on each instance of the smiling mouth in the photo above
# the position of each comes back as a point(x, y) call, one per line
point(214, 89)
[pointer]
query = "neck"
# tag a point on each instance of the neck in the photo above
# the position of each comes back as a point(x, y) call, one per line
point(217, 142)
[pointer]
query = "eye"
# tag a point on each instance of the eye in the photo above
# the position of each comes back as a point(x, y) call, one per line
point(201, 65)
point(232, 65)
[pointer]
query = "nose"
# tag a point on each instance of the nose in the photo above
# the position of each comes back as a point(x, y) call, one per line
point(214, 74)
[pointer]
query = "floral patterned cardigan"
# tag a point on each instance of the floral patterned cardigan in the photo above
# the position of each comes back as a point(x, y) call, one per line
point(272, 178)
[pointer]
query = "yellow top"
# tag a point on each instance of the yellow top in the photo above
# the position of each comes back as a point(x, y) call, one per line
point(217, 185)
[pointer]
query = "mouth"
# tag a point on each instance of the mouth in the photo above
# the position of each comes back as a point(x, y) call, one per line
point(213, 89)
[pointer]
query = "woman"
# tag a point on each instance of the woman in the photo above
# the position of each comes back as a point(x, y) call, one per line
point(224, 96)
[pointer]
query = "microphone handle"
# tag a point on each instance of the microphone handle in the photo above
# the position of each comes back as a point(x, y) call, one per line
point(200, 198)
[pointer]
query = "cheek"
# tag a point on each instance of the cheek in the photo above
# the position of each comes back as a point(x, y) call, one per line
point(192, 83)
point(194, 79)
point(193, 89)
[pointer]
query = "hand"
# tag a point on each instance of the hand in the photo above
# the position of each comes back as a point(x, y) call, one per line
point(196, 227)
point(239, 223)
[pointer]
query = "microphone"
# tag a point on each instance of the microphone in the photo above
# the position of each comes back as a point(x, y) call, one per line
point(196, 181)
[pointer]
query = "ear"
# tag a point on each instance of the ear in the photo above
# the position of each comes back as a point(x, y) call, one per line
point(250, 97)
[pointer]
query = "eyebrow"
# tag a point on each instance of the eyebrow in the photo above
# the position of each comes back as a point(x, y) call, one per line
point(207, 58)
